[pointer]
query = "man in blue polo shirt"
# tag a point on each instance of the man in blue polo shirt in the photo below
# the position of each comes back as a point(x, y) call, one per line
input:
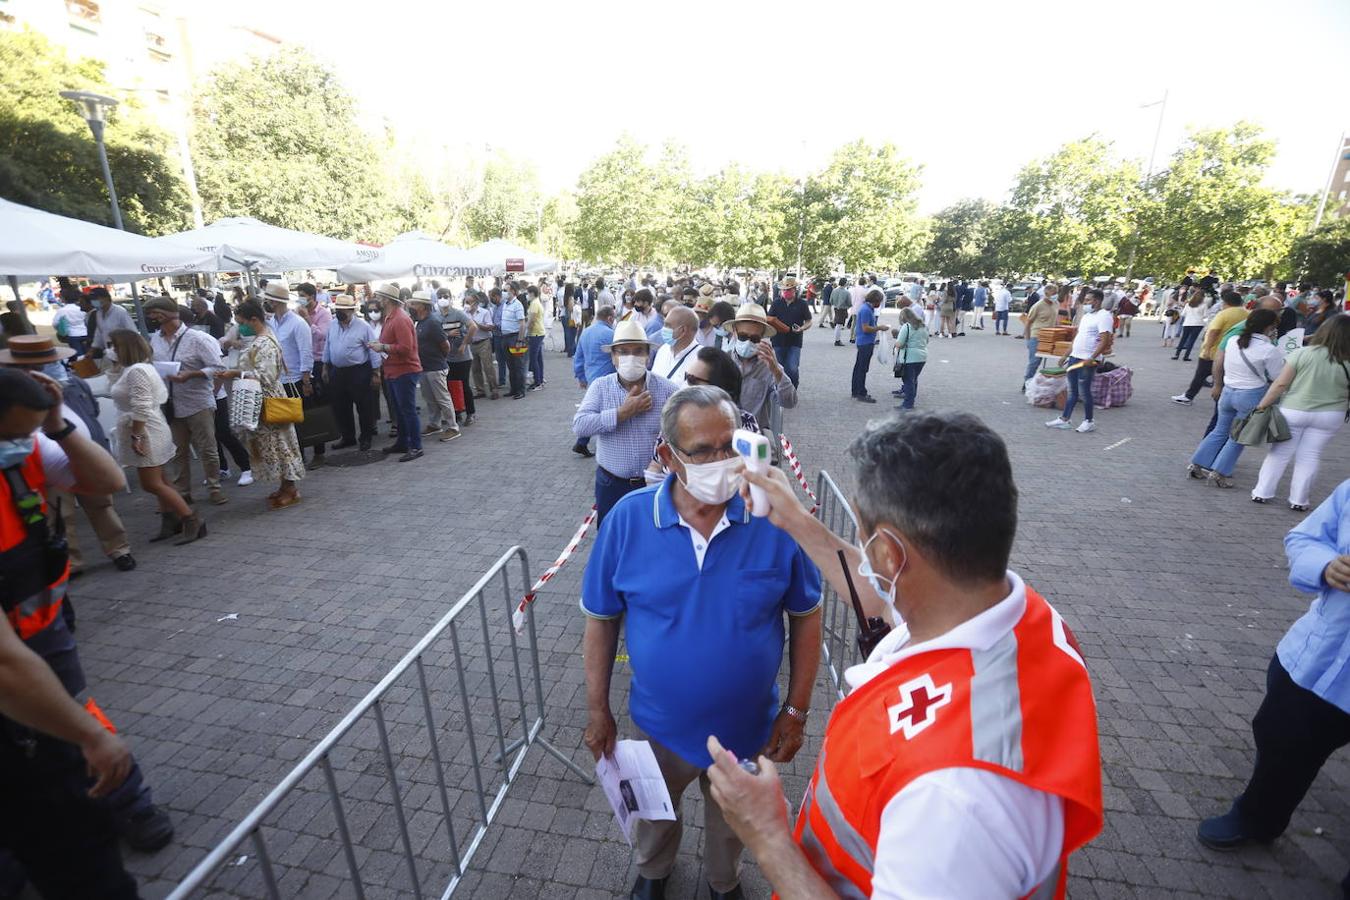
point(701, 587)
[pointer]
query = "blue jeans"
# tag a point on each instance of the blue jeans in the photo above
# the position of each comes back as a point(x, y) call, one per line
point(909, 383)
point(1033, 362)
point(1218, 451)
point(537, 358)
point(1001, 318)
point(403, 397)
point(610, 489)
point(569, 339)
point(790, 358)
point(860, 366)
point(1080, 382)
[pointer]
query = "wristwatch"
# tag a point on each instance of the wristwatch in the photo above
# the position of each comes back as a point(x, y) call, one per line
point(63, 433)
point(798, 714)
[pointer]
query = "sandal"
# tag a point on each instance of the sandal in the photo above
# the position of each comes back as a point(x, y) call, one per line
point(1298, 507)
point(1197, 471)
point(1220, 481)
point(283, 501)
point(1260, 499)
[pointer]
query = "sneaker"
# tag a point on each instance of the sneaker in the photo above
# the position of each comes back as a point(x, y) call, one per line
point(124, 563)
point(218, 497)
point(1087, 426)
point(1061, 422)
point(226, 473)
point(430, 429)
point(246, 478)
point(148, 830)
point(1299, 507)
point(450, 435)
point(469, 420)
point(410, 456)
point(867, 398)
point(1182, 399)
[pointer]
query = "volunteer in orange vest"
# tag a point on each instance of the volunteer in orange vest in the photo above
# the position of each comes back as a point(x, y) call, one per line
point(964, 760)
point(51, 832)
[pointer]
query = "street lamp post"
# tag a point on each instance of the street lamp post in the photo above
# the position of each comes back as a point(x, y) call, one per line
point(96, 108)
point(1134, 246)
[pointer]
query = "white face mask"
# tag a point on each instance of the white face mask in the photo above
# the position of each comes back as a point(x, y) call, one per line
point(865, 570)
point(631, 368)
point(714, 482)
point(110, 355)
point(744, 349)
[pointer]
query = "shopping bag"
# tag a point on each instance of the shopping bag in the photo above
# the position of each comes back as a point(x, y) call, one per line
point(884, 355)
point(318, 426)
point(246, 400)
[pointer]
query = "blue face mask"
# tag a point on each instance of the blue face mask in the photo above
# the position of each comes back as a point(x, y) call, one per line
point(15, 450)
point(745, 349)
point(56, 372)
point(667, 336)
point(720, 331)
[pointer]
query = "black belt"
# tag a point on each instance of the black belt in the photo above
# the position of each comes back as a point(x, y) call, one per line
point(640, 480)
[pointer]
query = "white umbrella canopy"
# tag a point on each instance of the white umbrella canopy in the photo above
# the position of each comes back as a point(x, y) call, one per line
point(244, 243)
point(37, 244)
point(414, 254)
point(498, 255)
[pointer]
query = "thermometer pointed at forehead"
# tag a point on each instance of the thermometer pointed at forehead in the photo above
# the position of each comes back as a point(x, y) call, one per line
point(750, 445)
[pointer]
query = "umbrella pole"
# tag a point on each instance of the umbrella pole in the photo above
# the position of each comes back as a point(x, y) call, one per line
point(23, 310)
point(140, 313)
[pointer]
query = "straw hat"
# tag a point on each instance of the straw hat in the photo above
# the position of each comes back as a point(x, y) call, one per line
point(753, 312)
point(628, 332)
point(706, 290)
point(277, 291)
point(789, 284)
point(704, 303)
point(388, 292)
point(423, 297)
point(344, 301)
point(33, 350)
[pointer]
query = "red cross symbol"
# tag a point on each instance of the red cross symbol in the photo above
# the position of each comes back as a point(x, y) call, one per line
point(920, 700)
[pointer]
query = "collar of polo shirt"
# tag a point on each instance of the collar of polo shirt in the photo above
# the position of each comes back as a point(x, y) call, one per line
point(665, 515)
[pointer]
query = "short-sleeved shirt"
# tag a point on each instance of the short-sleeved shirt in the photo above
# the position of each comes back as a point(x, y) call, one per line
point(513, 316)
point(705, 641)
point(455, 324)
point(798, 312)
point(1224, 320)
point(866, 316)
point(1320, 383)
point(1089, 338)
point(429, 338)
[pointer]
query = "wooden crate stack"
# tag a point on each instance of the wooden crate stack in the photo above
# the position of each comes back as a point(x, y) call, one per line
point(1056, 340)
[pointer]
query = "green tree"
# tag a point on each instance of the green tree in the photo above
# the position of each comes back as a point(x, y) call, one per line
point(1209, 208)
point(860, 211)
point(741, 219)
point(617, 219)
point(48, 158)
point(277, 138)
point(557, 222)
point(1069, 212)
point(963, 239)
point(508, 203)
point(1322, 256)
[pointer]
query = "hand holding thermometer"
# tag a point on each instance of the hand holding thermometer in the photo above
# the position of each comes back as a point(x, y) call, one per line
point(754, 449)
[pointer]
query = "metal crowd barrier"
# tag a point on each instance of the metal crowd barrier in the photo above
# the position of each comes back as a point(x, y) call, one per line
point(444, 788)
point(839, 625)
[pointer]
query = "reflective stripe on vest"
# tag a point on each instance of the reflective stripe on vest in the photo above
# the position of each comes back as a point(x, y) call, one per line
point(957, 708)
point(39, 610)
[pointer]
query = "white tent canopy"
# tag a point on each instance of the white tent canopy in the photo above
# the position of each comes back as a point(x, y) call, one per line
point(414, 254)
point(500, 256)
point(38, 244)
point(243, 243)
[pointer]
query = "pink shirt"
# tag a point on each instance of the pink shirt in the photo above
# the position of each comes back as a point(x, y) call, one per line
point(319, 320)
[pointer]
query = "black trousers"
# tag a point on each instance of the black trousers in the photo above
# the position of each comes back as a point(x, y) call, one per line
point(459, 371)
point(350, 386)
point(1203, 369)
point(1295, 732)
point(225, 438)
point(515, 365)
point(65, 842)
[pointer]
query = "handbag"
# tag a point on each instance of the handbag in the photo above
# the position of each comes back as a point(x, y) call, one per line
point(286, 410)
point(1260, 426)
point(246, 402)
point(318, 426)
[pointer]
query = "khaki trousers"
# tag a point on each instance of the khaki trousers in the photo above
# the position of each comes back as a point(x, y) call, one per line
point(195, 432)
point(436, 395)
point(484, 375)
point(103, 518)
point(658, 843)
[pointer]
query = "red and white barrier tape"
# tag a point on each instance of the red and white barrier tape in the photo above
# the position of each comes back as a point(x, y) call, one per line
point(797, 470)
point(518, 617)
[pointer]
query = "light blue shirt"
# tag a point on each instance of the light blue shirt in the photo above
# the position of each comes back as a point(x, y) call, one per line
point(350, 345)
point(513, 316)
point(297, 346)
point(621, 448)
point(589, 362)
point(1316, 650)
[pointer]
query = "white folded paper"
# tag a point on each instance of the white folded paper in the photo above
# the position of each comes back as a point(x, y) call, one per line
point(165, 369)
point(633, 785)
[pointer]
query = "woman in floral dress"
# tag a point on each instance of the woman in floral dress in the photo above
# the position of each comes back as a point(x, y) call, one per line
point(273, 451)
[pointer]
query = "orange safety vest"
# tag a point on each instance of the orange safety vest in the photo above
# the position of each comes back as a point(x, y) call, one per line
point(1023, 708)
point(32, 614)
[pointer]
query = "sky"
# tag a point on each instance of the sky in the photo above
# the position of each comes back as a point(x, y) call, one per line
point(970, 90)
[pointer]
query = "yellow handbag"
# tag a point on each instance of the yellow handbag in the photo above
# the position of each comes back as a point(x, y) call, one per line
point(283, 410)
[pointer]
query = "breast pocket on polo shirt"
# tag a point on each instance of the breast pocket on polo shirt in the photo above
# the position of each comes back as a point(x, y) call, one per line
point(759, 597)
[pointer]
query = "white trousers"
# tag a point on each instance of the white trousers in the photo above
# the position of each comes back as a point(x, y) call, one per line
point(1309, 432)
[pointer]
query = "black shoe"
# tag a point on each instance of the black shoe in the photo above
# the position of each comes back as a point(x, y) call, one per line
point(839, 343)
point(519, 396)
point(393, 448)
point(363, 444)
point(125, 563)
point(897, 393)
point(148, 830)
point(1225, 832)
point(734, 894)
point(315, 463)
point(582, 450)
point(868, 398)
point(410, 456)
point(648, 889)
point(343, 444)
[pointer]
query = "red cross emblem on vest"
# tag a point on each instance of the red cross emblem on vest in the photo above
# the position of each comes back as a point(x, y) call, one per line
point(920, 700)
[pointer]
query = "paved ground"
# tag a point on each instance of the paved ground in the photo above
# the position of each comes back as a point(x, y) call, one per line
point(225, 661)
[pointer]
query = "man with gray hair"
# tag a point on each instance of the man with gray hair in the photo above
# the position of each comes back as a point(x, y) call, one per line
point(702, 590)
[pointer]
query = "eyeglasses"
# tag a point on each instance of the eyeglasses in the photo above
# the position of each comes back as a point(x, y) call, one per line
point(708, 454)
point(694, 380)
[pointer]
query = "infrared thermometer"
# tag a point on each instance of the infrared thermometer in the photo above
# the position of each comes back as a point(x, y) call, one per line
point(754, 449)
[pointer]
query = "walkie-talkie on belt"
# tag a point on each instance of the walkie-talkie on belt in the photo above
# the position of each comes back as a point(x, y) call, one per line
point(871, 629)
